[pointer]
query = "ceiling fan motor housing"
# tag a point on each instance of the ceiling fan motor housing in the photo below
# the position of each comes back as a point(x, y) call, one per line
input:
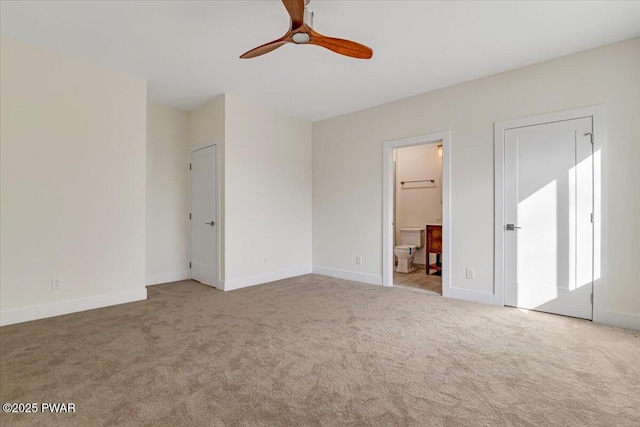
point(301, 38)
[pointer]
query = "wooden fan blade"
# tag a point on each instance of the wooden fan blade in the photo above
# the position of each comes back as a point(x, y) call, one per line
point(341, 46)
point(296, 11)
point(265, 48)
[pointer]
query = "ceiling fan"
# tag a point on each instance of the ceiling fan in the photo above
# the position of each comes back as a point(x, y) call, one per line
point(301, 32)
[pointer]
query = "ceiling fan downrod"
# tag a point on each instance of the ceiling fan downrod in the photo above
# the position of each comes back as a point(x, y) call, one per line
point(308, 16)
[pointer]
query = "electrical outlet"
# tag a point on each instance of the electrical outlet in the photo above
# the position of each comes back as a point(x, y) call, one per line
point(266, 260)
point(359, 259)
point(56, 283)
point(471, 273)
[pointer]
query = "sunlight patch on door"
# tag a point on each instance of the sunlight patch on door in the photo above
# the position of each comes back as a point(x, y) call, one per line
point(580, 223)
point(538, 245)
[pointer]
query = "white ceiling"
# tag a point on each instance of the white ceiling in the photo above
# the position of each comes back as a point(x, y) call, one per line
point(188, 50)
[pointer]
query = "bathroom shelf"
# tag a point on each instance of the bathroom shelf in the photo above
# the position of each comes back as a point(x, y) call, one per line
point(433, 181)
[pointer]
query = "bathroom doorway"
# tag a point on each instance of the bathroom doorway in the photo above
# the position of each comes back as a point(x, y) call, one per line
point(416, 244)
point(417, 218)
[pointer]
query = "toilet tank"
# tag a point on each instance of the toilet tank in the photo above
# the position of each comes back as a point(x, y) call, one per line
point(412, 236)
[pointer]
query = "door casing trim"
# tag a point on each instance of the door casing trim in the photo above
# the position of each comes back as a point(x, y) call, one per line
point(387, 203)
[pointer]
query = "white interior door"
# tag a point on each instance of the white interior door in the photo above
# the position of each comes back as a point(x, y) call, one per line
point(548, 217)
point(204, 221)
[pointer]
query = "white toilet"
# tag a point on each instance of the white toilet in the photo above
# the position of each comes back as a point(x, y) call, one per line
point(411, 239)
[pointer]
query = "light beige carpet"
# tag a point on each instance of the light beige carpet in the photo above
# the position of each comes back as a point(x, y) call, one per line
point(319, 351)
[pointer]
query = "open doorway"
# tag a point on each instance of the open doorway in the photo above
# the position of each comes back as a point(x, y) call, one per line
point(417, 216)
point(416, 210)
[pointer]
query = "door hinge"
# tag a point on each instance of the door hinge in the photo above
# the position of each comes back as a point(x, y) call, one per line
point(189, 264)
point(189, 215)
point(592, 299)
point(592, 217)
point(189, 166)
point(590, 135)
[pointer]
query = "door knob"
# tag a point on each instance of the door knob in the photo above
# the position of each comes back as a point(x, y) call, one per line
point(212, 223)
point(511, 227)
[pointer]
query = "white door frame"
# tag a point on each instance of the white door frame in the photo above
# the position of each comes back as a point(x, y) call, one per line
point(218, 281)
point(598, 115)
point(387, 203)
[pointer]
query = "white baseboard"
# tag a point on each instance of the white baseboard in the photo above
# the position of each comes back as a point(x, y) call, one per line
point(621, 320)
point(9, 317)
point(157, 279)
point(244, 282)
point(371, 279)
point(471, 295)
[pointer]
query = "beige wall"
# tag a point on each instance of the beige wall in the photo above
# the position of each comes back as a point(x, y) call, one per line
point(167, 194)
point(268, 192)
point(347, 163)
point(418, 203)
point(72, 184)
point(206, 124)
point(265, 182)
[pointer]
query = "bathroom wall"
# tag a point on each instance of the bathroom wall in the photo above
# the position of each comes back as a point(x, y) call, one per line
point(418, 203)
